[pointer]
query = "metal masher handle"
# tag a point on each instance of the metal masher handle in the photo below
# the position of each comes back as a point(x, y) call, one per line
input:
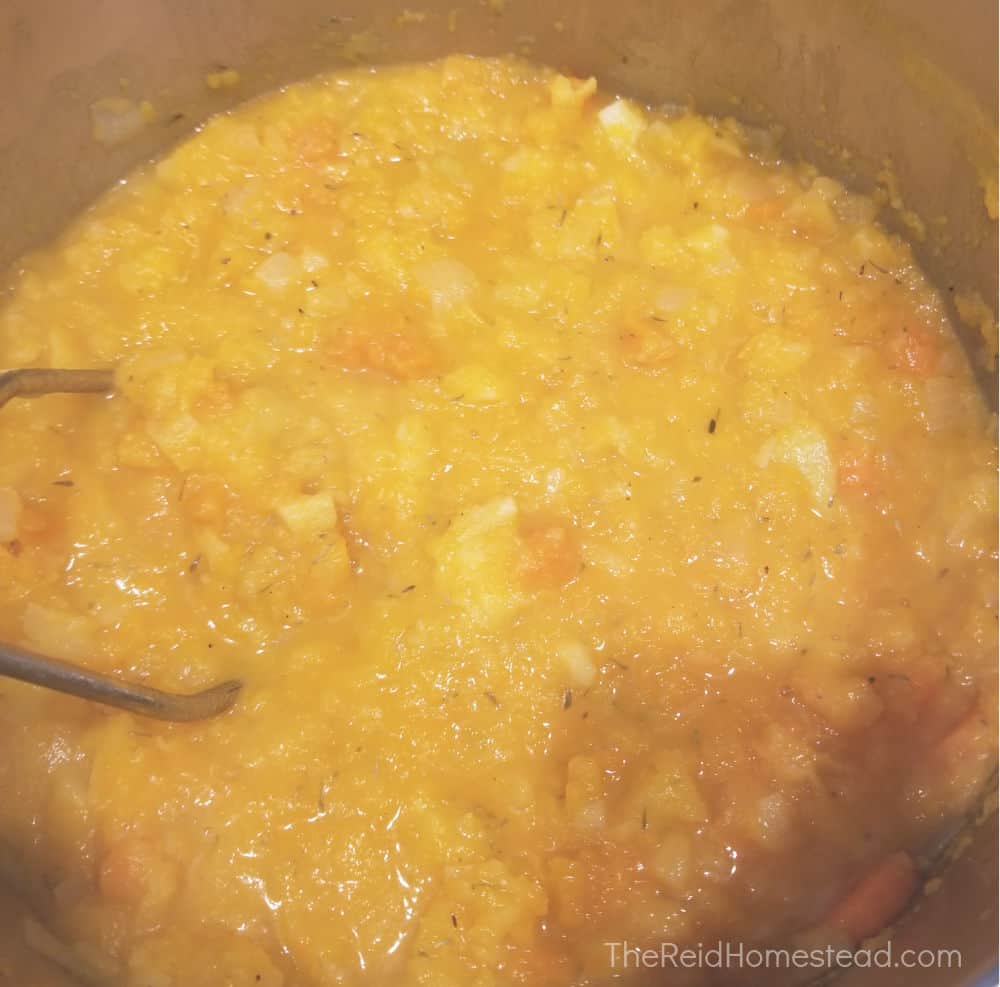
point(33, 382)
point(51, 673)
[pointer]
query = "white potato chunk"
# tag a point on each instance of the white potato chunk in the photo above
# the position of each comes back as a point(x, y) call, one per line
point(476, 560)
point(805, 448)
point(769, 355)
point(58, 633)
point(578, 664)
point(310, 514)
point(473, 384)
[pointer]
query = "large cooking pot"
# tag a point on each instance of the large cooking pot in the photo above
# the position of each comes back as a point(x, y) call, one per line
point(902, 92)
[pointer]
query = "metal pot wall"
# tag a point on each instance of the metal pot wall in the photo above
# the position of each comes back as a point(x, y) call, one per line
point(905, 88)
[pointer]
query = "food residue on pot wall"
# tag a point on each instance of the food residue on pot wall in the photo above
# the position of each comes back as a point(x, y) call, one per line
point(116, 119)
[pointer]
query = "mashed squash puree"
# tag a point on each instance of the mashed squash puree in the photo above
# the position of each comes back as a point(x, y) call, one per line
point(597, 507)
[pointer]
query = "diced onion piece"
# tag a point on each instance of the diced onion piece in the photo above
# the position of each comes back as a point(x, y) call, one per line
point(660, 246)
point(278, 270)
point(673, 860)
point(570, 92)
point(237, 200)
point(448, 282)
point(216, 558)
point(773, 820)
point(313, 261)
point(623, 122)
point(671, 299)
point(708, 239)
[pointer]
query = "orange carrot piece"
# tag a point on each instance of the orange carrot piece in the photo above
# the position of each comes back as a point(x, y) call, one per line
point(878, 899)
point(396, 354)
point(124, 870)
point(551, 554)
point(317, 144)
point(765, 212)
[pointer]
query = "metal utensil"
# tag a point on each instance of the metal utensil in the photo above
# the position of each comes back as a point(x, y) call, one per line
point(52, 673)
point(35, 382)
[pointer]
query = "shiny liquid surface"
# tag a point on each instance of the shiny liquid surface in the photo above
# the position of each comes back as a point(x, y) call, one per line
point(596, 506)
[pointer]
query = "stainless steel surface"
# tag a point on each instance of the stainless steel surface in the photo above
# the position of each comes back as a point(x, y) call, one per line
point(51, 673)
point(905, 89)
point(857, 85)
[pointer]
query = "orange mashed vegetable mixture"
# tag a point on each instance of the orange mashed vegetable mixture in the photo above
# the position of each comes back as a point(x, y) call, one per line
point(597, 507)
